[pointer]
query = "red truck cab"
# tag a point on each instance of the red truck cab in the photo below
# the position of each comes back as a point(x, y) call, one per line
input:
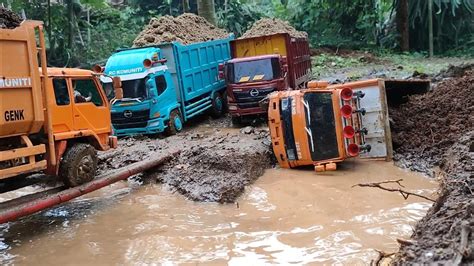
point(251, 79)
point(261, 65)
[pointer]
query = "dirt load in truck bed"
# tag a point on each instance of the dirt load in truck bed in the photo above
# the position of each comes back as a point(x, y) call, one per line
point(436, 129)
point(8, 19)
point(187, 28)
point(269, 26)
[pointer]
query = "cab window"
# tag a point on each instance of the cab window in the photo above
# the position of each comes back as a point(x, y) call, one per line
point(85, 91)
point(160, 84)
point(60, 92)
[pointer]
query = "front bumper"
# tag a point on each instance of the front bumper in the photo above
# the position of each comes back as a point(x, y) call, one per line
point(154, 126)
point(235, 111)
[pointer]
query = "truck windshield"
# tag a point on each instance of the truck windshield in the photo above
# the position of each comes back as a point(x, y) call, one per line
point(134, 89)
point(254, 71)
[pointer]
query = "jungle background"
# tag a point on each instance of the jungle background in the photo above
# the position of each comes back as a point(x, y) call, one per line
point(85, 32)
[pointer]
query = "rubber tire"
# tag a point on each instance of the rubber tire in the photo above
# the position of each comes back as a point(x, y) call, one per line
point(236, 120)
point(71, 163)
point(215, 111)
point(171, 129)
point(226, 103)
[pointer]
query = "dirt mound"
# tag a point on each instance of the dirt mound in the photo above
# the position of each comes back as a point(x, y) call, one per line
point(268, 26)
point(425, 127)
point(186, 28)
point(436, 129)
point(214, 165)
point(8, 19)
point(445, 236)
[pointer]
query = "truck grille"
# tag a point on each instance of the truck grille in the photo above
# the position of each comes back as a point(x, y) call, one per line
point(250, 98)
point(130, 119)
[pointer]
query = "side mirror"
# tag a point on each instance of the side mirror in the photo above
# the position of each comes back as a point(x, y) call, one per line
point(150, 86)
point(117, 84)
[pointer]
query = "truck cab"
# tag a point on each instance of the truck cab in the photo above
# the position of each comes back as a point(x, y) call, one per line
point(54, 119)
point(149, 95)
point(165, 85)
point(251, 79)
point(324, 125)
point(262, 65)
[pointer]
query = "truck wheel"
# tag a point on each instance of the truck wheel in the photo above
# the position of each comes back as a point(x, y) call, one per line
point(79, 164)
point(175, 124)
point(218, 106)
point(226, 104)
point(236, 120)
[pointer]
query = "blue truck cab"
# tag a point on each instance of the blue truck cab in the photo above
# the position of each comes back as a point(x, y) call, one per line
point(165, 85)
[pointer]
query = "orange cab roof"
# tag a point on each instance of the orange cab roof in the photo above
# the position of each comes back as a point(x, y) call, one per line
point(61, 72)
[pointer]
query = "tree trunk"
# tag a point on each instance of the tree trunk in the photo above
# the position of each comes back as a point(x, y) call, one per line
point(70, 17)
point(185, 6)
point(402, 25)
point(430, 27)
point(207, 10)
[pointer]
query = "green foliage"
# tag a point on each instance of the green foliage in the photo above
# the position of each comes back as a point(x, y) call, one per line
point(453, 24)
point(238, 17)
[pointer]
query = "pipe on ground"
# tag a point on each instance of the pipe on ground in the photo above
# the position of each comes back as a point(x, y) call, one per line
point(48, 201)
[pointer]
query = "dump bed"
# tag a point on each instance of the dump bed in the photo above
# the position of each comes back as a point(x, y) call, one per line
point(296, 50)
point(194, 67)
point(21, 101)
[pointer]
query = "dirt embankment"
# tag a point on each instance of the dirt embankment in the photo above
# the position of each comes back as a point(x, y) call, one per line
point(269, 26)
point(186, 29)
point(425, 127)
point(436, 129)
point(214, 164)
point(8, 19)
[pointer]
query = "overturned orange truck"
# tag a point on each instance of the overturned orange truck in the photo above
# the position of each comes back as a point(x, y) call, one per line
point(52, 119)
point(323, 125)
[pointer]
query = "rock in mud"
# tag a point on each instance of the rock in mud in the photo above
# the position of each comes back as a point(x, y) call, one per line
point(187, 28)
point(269, 26)
point(8, 19)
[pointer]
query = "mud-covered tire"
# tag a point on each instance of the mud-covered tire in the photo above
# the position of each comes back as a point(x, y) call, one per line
point(78, 165)
point(175, 124)
point(218, 106)
point(236, 120)
point(226, 104)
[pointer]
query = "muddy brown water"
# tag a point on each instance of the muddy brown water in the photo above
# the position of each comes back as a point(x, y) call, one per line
point(287, 216)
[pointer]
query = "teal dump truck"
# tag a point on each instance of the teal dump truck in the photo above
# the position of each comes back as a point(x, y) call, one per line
point(165, 85)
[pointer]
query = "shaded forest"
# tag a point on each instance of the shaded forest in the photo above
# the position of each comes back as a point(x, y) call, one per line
point(85, 32)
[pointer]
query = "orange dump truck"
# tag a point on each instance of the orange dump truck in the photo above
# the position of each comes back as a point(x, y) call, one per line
point(323, 125)
point(52, 119)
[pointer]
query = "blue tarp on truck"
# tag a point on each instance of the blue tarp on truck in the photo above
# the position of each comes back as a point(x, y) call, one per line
point(165, 85)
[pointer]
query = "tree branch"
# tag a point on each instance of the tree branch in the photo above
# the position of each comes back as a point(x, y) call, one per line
point(405, 194)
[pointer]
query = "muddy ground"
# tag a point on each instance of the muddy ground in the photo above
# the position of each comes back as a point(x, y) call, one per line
point(187, 28)
point(435, 131)
point(215, 164)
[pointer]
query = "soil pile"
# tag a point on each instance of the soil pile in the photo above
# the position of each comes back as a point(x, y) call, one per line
point(436, 129)
point(186, 29)
point(269, 26)
point(425, 127)
point(8, 19)
point(214, 165)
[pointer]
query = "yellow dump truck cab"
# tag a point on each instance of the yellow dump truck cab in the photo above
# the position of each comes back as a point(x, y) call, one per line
point(53, 119)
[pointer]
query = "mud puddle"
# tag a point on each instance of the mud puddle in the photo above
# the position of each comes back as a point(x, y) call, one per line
point(286, 216)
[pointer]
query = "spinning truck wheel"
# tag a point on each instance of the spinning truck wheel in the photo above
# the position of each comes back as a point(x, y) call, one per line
point(78, 165)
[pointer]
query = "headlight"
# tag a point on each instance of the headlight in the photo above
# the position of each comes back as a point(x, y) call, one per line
point(154, 124)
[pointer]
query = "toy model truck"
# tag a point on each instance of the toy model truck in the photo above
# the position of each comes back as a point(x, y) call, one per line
point(167, 84)
point(261, 65)
point(322, 126)
point(52, 119)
